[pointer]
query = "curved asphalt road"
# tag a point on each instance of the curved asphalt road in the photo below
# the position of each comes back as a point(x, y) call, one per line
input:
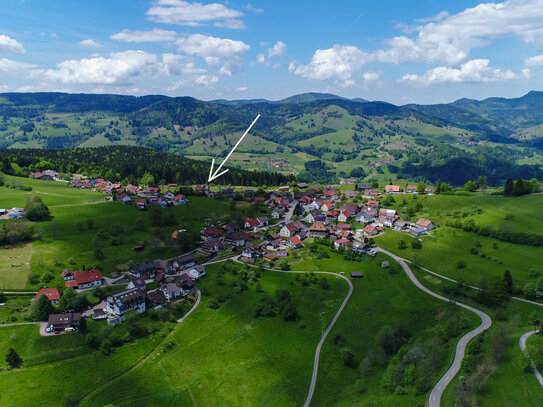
point(522, 343)
point(437, 391)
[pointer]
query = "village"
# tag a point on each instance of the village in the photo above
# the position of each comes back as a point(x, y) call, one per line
point(295, 213)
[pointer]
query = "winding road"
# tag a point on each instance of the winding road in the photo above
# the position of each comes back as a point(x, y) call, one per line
point(434, 398)
point(522, 343)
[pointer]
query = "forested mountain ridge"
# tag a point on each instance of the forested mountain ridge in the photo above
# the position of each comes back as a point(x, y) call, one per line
point(371, 140)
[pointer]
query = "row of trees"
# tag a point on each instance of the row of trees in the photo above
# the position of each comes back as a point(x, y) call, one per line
point(504, 233)
point(520, 187)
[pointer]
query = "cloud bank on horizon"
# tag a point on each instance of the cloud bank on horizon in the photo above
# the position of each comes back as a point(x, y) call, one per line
point(235, 50)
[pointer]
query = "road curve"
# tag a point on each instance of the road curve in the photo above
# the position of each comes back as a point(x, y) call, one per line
point(434, 398)
point(326, 332)
point(522, 343)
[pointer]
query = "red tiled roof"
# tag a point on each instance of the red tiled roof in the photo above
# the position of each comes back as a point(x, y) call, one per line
point(295, 240)
point(52, 294)
point(87, 276)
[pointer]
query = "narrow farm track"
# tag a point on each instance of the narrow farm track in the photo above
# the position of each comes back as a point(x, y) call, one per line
point(522, 343)
point(79, 204)
point(434, 398)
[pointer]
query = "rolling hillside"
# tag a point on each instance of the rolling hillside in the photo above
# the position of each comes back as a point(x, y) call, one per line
point(373, 140)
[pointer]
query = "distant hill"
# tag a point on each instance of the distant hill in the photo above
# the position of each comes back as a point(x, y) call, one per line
point(350, 137)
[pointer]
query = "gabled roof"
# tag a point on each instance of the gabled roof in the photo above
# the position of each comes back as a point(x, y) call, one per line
point(52, 294)
point(252, 222)
point(295, 240)
point(318, 227)
point(423, 223)
point(87, 276)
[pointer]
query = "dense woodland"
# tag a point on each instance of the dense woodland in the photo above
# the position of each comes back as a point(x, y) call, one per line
point(128, 164)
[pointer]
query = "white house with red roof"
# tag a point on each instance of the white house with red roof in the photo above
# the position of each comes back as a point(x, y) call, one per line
point(341, 243)
point(52, 294)
point(424, 224)
point(86, 279)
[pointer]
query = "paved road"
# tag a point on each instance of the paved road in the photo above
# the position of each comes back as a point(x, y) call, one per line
point(437, 391)
point(522, 343)
point(198, 296)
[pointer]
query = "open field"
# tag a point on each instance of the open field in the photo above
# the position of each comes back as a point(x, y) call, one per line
point(15, 266)
point(446, 247)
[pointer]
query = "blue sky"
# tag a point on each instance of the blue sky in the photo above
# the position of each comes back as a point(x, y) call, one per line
point(397, 51)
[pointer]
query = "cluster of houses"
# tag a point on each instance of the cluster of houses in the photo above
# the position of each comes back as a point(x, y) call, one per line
point(176, 278)
point(141, 197)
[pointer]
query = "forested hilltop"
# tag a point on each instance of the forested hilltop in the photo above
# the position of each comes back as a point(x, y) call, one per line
point(373, 141)
point(128, 164)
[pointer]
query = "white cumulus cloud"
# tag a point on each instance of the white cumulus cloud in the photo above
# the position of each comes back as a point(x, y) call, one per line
point(9, 66)
point(371, 76)
point(338, 63)
point(120, 68)
point(154, 35)
point(10, 46)
point(277, 50)
point(450, 38)
point(214, 51)
point(475, 70)
point(90, 43)
point(536, 60)
point(194, 14)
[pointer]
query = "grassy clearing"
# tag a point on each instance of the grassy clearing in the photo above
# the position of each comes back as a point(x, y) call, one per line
point(446, 247)
point(15, 266)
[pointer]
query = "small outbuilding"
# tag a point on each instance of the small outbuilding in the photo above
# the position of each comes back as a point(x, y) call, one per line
point(357, 274)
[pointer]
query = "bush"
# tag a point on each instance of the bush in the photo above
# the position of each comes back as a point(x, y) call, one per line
point(323, 282)
point(106, 347)
point(416, 244)
point(36, 210)
point(213, 304)
point(348, 357)
point(339, 339)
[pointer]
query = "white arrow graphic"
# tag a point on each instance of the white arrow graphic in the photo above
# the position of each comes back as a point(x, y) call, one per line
point(216, 174)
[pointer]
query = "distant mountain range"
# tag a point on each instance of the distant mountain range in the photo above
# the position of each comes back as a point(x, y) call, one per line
point(367, 139)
